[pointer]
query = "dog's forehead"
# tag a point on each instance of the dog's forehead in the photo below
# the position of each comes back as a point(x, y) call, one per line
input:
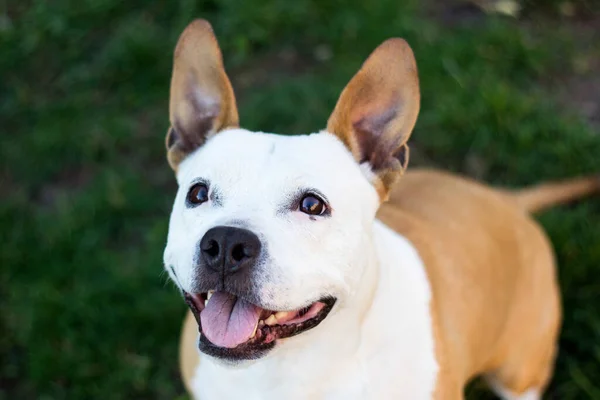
point(241, 159)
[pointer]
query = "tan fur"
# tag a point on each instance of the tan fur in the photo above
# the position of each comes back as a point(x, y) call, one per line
point(540, 197)
point(188, 353)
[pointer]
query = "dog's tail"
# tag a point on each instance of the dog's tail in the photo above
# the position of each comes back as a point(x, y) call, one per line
point(540, 197)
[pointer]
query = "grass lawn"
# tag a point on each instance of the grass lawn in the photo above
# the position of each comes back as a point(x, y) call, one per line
point(86, 311)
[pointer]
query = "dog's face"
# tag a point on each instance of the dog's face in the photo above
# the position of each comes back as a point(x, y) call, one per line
point(269, 233)
point(300, 205)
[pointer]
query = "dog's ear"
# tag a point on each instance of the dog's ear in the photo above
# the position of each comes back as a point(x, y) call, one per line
point(377, 111)
point(202, 101)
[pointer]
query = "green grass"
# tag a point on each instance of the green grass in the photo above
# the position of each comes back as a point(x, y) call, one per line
point(86, 311)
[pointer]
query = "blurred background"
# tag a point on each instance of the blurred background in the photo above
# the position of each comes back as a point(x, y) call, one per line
point(510, 95)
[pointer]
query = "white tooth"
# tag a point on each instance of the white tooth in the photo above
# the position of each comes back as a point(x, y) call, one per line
point(261, 323)
point(271, 320)
point(208, 296)
point(254, 333)
point(281, 314)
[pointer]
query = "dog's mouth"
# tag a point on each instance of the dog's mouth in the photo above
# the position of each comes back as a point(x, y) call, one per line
point(235, 329)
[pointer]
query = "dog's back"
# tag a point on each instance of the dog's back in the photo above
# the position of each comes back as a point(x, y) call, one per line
point(491, 269)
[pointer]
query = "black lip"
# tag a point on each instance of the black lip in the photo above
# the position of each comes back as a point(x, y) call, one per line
point(257, 347)
point(190, 303)
point(246, 351)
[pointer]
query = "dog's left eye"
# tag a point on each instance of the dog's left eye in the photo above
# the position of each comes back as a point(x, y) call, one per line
point(198, 194)
point(312, 205)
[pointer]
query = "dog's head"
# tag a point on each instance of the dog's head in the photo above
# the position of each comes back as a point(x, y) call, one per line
point(269, 233)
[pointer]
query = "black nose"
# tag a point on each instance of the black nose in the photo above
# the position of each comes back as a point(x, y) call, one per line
point(227, 249)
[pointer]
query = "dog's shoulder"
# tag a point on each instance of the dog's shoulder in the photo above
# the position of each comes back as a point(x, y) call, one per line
point(470, 237)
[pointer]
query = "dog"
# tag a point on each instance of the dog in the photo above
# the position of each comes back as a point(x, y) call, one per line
point(315, 268)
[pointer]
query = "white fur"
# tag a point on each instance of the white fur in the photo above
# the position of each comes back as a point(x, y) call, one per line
point(505, 394)
point(377, 342)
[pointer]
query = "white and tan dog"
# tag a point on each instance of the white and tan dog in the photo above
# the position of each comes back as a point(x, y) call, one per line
point(298, 289)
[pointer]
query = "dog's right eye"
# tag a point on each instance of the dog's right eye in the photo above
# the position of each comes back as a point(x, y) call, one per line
point(198, 194)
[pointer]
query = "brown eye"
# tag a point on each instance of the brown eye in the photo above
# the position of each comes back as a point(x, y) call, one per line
point(312, 205)
point(198, 194)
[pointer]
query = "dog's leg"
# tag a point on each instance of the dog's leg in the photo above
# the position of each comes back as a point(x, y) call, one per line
point(525, 374)
point(506, 394)
point(526, 382)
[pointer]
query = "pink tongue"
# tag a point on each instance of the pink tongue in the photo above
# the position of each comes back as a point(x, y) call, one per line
point(228, 321)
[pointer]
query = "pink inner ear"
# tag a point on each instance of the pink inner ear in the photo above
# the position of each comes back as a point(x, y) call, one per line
point(371, 129)
point(195, 118)
point(378, 109)
point(204, 108)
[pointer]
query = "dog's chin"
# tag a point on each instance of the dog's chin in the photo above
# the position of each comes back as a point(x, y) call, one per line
point(271, 327)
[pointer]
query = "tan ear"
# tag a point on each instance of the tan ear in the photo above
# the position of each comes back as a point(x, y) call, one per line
point(377, 111)
point(202, 101)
